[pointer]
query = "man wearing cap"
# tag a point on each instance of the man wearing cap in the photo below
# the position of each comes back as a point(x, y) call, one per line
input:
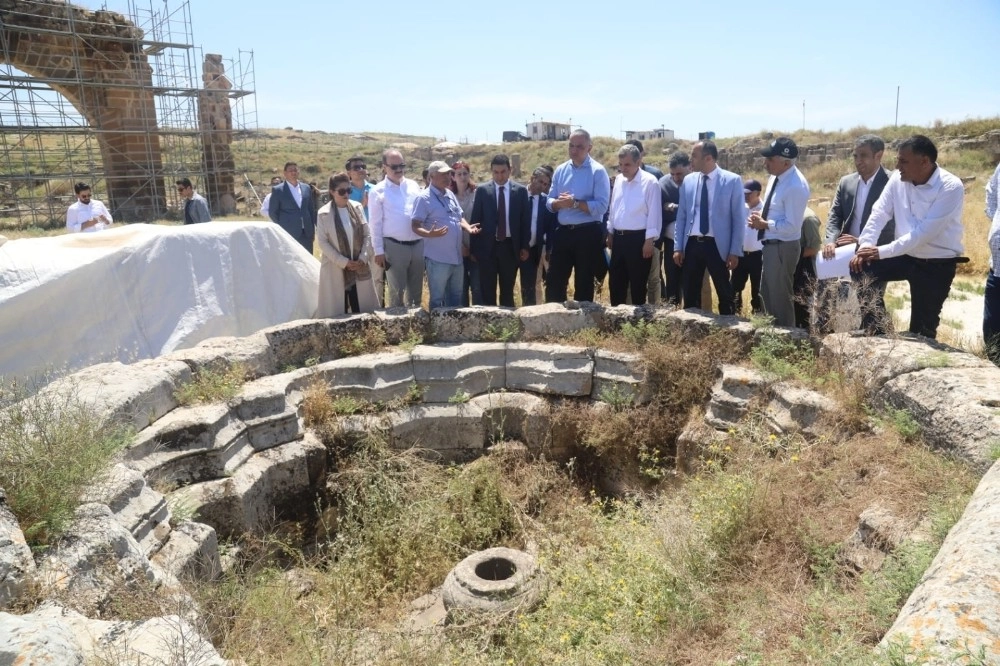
point(502, 210)
point(679, 167)
point(926, 203)
point(580, 194)
point(852, 205)
point(398, 249)
point(779, 227)
point(437, 218)
point(633, 226)
point(749, 265)
point(711, 214)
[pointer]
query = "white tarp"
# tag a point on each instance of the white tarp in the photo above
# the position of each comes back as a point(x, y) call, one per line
point(142, 290)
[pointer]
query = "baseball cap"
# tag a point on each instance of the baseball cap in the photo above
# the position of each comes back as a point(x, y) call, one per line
point(437, 167)
point(751, 186)
point(782, 147)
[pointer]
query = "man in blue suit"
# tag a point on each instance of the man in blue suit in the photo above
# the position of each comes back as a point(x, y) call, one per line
point(292, 208)
point(503, 212)
point(543, 224)
point(711, 214)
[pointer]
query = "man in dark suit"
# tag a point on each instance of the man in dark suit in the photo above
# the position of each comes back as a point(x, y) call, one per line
point(291, 207)
point(503, 213)
point(543, 224)
point(680, 167)
point(852, 205)
point(711, 214)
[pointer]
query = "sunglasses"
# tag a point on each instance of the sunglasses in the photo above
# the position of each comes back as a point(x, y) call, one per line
point(343, 191)
point(397, 167)
point(359, 167)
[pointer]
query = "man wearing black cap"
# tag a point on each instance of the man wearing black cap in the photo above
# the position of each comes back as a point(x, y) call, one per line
point(926, 203)
point(779, 227)
point(749, 265)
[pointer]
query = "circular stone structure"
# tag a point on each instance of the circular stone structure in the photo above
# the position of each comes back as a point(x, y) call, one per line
point(494, 580)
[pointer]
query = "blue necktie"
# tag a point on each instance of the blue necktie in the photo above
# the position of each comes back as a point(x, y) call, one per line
point(703, 207)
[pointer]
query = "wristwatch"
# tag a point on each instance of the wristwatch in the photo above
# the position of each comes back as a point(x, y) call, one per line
point(576, 204)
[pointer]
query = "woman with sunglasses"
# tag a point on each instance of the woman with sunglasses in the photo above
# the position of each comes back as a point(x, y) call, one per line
point(465, 191)
point(345, 276)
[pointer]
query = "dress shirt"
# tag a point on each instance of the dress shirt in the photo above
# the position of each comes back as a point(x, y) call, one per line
point(992, 212)
point(296, 192)
point(588, 182)
point(265, 204)
point(505, 188)
point(391, 209)
point(864, 187)
point(788, 206)
point(750, 241)
point(80, 212)
point(635, 205)
point(928, 217)
point(708, 181)
point(534, 220)
point(434, 207)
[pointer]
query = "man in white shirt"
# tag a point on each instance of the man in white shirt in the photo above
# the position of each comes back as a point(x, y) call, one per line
point(398, 249)
point(266, 203)
point(749, 266)
point(634, 221)
point(926, 203)
point(87, 214)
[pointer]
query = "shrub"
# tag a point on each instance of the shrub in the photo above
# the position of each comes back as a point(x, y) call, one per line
point(52, 450)
point(211, 385)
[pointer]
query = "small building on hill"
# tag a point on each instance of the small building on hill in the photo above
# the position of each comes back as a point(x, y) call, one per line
point(544, 130)
point(647, 135)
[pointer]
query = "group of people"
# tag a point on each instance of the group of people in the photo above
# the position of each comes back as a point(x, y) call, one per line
point(654, 235)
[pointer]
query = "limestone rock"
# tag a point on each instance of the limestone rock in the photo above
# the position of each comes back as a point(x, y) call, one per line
point(191, 553)
point(878, 534)
point(17, 566)
point(618, 375)
point(451, 432)
point(294, 343)
point(38, 638)
point(136, 506)
point(553, 369)
point(692, 443)
point(475, 324)
point(219, 354)
point(450, 370)
point(555, 320)
point(794, 409)
point(732, 395)
point(516, 416)
point(377, 377)
point(695, 324)
point(401, 324)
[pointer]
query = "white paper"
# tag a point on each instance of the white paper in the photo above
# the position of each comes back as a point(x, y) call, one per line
point(839, 266)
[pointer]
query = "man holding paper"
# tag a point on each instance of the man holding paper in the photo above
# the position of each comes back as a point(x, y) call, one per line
point(926, 202)
point(852, 206)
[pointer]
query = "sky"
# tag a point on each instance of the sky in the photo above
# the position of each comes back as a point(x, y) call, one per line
point(467, 71)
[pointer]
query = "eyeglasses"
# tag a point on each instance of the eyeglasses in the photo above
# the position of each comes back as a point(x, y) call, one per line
point(342, 191)
point(359, 167)
point(397, 167)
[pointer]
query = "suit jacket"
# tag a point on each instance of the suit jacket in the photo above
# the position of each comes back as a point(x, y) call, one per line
point(298, 221)
point(728, 215)
point(669, 194)
point(484, 213)
point(198, 210)
point(845, 200)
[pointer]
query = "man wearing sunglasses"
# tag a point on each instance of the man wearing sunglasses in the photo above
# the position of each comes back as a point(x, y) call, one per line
point(357, 171)
point(398, 249)
point(195, 206)
point(87, 214)
point(291, 207)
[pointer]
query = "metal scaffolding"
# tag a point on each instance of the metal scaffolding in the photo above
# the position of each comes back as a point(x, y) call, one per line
point(47, 144)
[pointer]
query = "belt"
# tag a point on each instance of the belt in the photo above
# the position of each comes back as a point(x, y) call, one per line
point(775, 241)
point(413, 242)
point(629, 232)
point(747, 254)
point(577, 227)
point(701, 239)
point(944, 260)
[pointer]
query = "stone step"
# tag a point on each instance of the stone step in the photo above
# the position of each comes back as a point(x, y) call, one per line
point(444, 371)
point(549, 369)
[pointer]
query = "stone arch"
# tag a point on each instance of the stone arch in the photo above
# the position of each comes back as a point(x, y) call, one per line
point(95, 59)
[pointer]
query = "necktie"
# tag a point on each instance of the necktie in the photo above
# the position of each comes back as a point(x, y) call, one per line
point(187, 212)
point(703, 206)
point(767, 207)
point(501, 215)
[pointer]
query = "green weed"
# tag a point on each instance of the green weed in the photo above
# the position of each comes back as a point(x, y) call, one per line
point(212, 385)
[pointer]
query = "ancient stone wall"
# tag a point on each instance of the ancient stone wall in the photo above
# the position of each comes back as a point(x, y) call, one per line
point(95, 59)
point(215, 117)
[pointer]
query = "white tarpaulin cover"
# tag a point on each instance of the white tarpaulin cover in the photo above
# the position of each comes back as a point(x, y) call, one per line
point(142, 290)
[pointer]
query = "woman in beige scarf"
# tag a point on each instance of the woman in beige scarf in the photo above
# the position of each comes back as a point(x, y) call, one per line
point(345, 277)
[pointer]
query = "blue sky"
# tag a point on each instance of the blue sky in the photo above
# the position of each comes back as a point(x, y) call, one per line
point(469, 70)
